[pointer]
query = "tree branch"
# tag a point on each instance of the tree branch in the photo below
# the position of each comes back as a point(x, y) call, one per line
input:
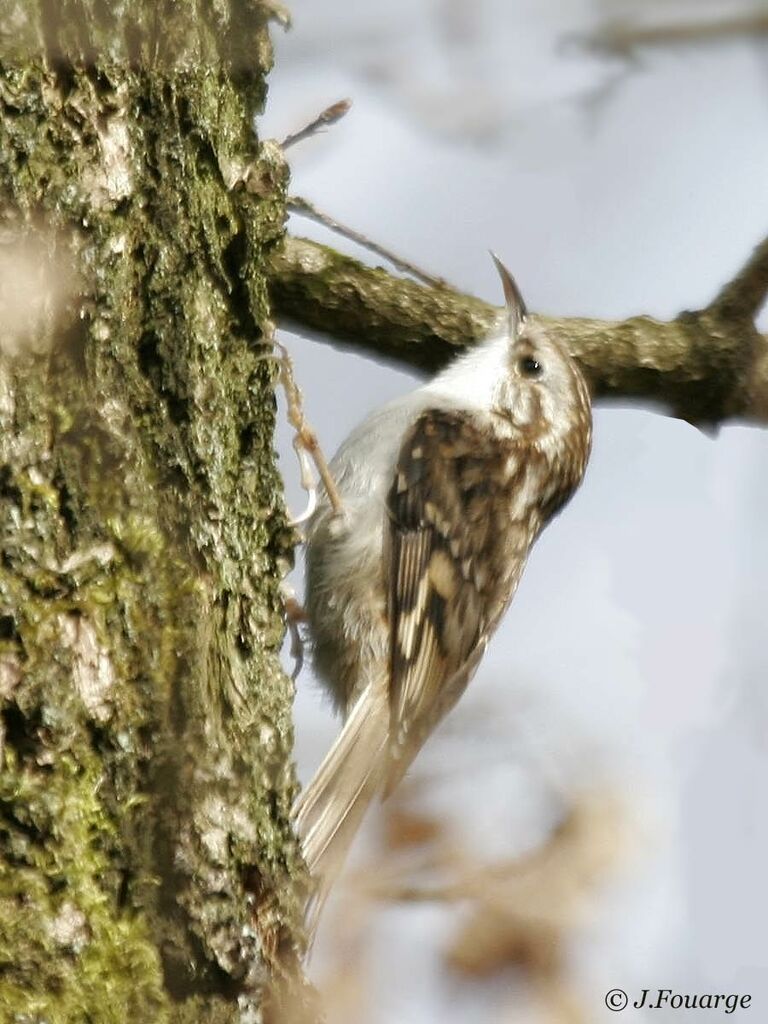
point(705, 366)
point(622, 37)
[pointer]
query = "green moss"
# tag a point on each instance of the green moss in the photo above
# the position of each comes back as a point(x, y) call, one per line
point(147, 720)
point(66, 947)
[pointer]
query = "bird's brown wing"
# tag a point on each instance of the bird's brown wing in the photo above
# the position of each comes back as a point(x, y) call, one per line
point(453, 558)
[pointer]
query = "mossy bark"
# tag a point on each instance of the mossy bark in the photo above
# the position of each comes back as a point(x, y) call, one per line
point(147, 866)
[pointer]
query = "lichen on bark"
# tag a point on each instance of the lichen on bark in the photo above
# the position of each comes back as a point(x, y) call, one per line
point(147, 866)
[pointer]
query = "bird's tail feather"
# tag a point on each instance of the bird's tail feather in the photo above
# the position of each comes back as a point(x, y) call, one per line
point(329, 811)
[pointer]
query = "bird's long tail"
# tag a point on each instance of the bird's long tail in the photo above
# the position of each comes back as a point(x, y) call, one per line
point(329, 811)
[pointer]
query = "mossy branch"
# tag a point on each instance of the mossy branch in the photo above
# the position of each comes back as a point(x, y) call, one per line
point(705, 366)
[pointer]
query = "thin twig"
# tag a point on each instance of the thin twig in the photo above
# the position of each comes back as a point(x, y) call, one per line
point(324, 120)
point(306, 209)
point(744, 295)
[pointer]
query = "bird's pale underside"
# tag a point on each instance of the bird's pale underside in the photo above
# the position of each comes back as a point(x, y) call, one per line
point(443, 493)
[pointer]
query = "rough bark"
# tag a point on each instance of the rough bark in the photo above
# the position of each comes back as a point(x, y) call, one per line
point(147, 867)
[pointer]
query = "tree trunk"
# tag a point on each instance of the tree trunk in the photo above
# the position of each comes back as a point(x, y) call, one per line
point(147, 867)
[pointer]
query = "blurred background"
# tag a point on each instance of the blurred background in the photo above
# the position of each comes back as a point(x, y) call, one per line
point(593, 814)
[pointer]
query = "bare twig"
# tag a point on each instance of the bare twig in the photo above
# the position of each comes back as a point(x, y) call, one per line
point(324, 120)
point(297, 204)
point(704, 367)
point(745, 294)
point(305, 208)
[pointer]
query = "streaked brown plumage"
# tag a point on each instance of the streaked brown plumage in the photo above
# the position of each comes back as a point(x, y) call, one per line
point(444, 492)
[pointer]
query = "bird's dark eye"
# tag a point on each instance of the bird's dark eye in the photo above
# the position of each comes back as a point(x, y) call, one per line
point(530, 367)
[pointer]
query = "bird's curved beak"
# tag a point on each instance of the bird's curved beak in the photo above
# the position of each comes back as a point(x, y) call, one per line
point(516, 308)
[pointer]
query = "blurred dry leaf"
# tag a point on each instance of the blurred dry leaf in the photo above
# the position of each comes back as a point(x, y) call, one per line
point(520, 915)
point(404, 828)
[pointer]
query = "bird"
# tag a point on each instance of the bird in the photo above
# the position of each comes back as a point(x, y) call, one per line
point(409, 570)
